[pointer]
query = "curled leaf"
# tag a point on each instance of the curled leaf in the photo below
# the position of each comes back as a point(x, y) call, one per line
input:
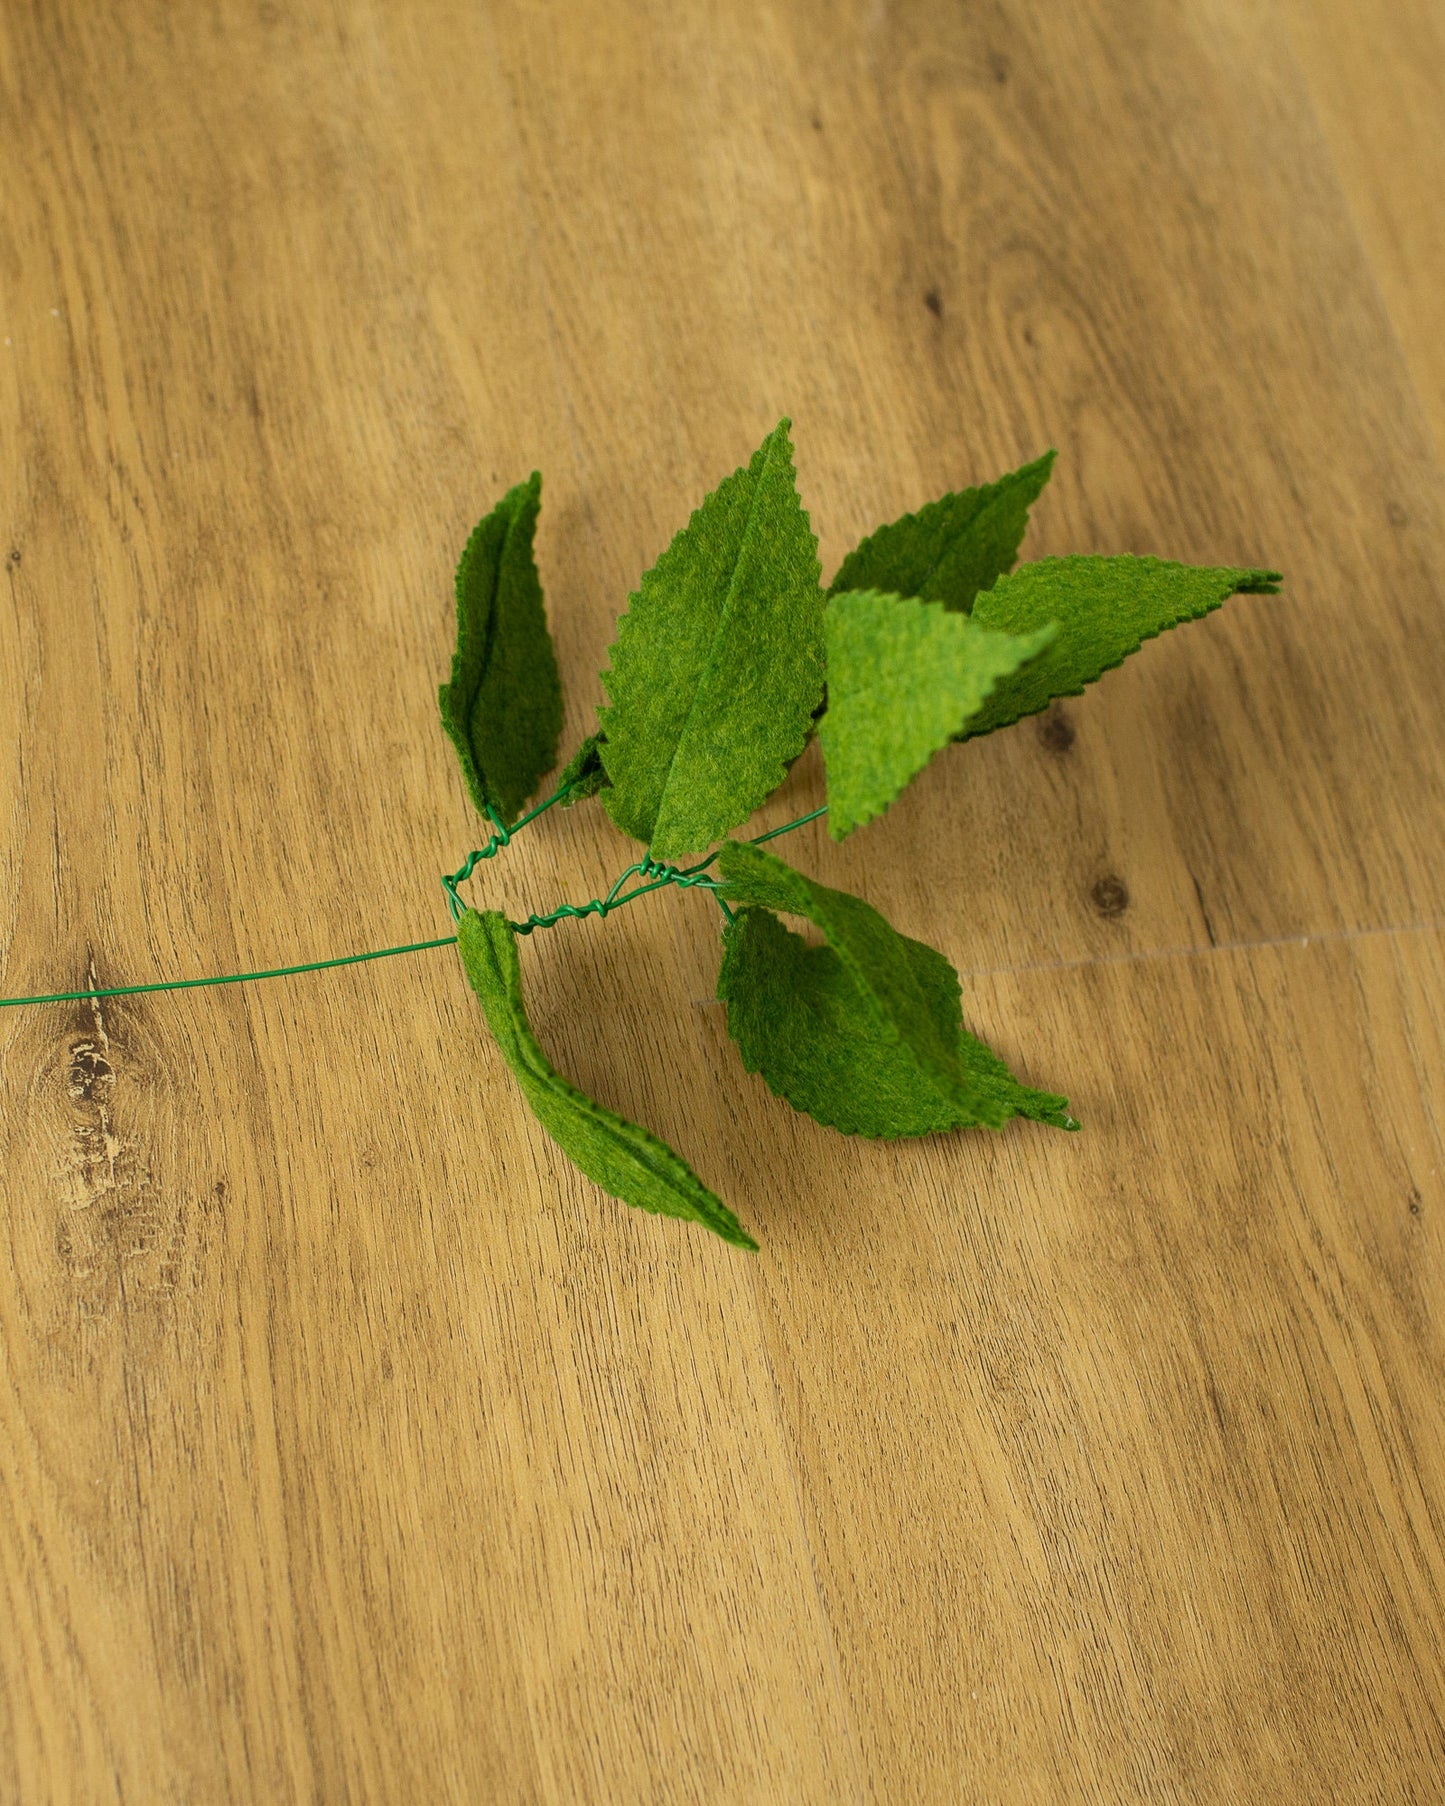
point(866, 1033)
point(621, 1157)
point(503, 705)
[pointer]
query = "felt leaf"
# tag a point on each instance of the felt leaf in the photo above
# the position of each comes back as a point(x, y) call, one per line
point(718, 663)
point(503, 706)
point(803, 1022)
point(622, 1158)
point(1106, 608)
point(952, 548)
point(866, 1034)
point(903, 678)
point(583, 775)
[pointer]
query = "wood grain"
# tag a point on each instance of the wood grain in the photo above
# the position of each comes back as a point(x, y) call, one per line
point(352, 1446)
point(1377, 76)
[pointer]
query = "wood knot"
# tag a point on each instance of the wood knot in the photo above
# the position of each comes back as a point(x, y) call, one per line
point(1110, 896)
point(90, 1073)
point(933, 301)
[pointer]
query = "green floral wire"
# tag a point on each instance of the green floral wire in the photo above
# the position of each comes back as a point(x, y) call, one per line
point(660, 876)
point(501, 837)
point(684, 878)
point(655, 876)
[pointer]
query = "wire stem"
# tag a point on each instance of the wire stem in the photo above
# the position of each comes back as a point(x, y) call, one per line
point(230, 978)
point(656, 876)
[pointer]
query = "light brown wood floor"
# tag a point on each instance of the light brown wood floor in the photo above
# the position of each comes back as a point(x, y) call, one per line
point(352, 1447)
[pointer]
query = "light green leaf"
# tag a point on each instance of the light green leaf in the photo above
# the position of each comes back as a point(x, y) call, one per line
point(865, 1034)
point(622, 1158)
point(952, 548)
point(1106, 608)
point(583, 775)
point(903, 678)
point(718, 663)
point(503, 706)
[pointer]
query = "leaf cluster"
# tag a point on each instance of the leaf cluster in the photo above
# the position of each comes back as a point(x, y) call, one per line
point(730, 655)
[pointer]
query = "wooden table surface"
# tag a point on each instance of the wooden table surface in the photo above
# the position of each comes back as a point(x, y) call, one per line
point(352, 1446)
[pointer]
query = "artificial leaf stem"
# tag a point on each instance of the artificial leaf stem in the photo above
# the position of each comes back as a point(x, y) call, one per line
point(655, 874)
point(501, 837)
point(658, 876)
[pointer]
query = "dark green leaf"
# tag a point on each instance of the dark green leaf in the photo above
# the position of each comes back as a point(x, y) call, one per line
point(503, 706)
point(952, 548)
point(903, 678)
point(718, 664)
point(1106, 608)
point(865, 1034)
point(622, 1158)
point(584, 775)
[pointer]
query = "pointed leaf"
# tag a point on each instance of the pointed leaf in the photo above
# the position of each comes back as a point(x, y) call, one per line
point(584, 774)
point(903, 678)
point(803, 1022)
point(865, 1034)
point(622, 1158)
point(503, 706)
point(1106, 608)
point(718, 663)
point(952, 548)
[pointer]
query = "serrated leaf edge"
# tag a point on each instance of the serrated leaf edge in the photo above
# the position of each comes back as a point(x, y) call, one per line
point(949, 495)
point(626, 622)
point(1260, 583)
point(1045, 636)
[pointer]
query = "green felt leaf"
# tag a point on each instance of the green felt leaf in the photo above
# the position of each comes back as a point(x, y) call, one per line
point(866, 1034)
point(718, 663)
point(903, 678)
point(1106, 608)
point(584, 774)
point(622, 1158)
point(952, 548)
point(503, 706)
